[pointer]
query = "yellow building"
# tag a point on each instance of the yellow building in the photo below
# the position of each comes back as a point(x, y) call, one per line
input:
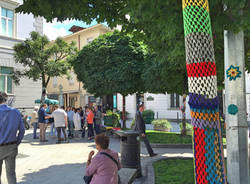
point(70, 92)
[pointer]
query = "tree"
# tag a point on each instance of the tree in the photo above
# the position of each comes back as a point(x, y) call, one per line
point(42, 60)
point(160, 25)
point(112, 63)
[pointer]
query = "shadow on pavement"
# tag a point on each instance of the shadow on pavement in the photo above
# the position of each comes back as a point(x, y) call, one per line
point(56, 174)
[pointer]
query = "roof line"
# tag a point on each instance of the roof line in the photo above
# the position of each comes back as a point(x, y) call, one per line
point(87, 29)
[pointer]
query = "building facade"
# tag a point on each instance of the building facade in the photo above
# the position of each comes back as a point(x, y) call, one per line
point(70, 92)
point(165, 106)
point(15, 28)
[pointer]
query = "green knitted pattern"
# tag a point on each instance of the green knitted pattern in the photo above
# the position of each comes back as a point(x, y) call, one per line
point(196, 19)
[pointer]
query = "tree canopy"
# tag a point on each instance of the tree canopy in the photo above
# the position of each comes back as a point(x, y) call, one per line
point(158, 23)
point(111, 64)
point(42, 60)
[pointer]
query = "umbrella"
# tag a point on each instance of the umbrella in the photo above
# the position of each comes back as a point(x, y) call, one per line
point(47, 101)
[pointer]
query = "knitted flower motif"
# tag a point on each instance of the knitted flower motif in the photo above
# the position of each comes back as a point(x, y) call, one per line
point(233, 72)
point(232, 109)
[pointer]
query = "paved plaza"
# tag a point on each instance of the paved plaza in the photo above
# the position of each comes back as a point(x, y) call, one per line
point(50, 163)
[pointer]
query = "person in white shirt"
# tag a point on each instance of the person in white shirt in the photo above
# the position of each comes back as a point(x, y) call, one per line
point(61, 122)
point(77, 122)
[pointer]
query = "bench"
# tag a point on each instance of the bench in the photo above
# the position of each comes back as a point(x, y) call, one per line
point(127, 175)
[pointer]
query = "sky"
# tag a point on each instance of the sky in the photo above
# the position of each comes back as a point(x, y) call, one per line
point(56, 29)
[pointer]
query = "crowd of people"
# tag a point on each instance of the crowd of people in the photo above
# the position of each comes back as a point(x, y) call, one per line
point(101, 167)
point(66, 123)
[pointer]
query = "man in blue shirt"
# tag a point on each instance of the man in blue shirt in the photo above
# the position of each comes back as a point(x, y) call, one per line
point(70, 114)
point(10, 123)
point(42, 119)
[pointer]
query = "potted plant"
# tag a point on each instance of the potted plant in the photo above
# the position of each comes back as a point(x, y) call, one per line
point(112, 119)
point(161, 125)
point(189, 128)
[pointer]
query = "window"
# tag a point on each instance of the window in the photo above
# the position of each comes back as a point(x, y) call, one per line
point(6, 80)
point(7, 19)
point(174, 101)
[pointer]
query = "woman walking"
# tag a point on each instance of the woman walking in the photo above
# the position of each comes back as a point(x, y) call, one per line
point(90, 121)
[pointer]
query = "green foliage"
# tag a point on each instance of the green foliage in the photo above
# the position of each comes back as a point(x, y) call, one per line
point(160, 25)
point(148, 116)
point(175, 171)
point(161, 123)
point(112, 119)
point(188, 126)
point(161, 137)
point(41, 59)
point(111, 64)
point(126, 113)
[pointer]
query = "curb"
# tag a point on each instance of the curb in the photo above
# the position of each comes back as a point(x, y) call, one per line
point(171, 146)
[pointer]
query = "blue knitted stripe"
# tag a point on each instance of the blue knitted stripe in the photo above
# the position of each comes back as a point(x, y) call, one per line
point(197, 101)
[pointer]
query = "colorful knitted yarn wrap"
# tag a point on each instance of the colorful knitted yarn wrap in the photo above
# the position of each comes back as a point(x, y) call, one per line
point(203, 100)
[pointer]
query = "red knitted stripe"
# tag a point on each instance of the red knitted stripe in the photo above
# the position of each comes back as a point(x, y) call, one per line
point(200, 159)
point(203, 69)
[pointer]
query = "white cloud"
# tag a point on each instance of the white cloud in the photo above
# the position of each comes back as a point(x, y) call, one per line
point(52, 32)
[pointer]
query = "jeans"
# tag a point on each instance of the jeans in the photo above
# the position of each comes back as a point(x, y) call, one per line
point(35, 125)
point(83, 132)
point(71, 128)
point(97, 129)
point(59, 130)
point(90, 131)
point(8, 154)
point(52, 129)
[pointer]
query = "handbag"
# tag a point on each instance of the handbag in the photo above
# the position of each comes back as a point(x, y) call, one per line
point(87, 179)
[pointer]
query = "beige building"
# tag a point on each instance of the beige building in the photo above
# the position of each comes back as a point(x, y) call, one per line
point(70, 92)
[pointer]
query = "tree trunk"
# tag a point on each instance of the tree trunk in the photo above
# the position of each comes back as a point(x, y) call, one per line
point(124, 111)
point(203, 101)
point(43, 90)
point(183, 110)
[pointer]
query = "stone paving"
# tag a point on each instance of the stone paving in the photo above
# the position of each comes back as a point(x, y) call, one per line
point(50, 163)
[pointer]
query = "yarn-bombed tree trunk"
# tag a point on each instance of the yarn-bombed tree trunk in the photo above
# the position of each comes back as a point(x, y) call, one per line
point(203, 99)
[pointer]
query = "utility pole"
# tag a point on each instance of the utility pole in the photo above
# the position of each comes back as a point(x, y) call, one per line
point(235, 102)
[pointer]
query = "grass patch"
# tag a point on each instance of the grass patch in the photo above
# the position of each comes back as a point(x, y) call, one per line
point(161, 137)
point(167, 137)
point(174, 171)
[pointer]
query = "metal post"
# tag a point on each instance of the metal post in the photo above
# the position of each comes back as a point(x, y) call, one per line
point(235, 102)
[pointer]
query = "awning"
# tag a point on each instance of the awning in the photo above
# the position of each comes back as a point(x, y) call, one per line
point(47, 101)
